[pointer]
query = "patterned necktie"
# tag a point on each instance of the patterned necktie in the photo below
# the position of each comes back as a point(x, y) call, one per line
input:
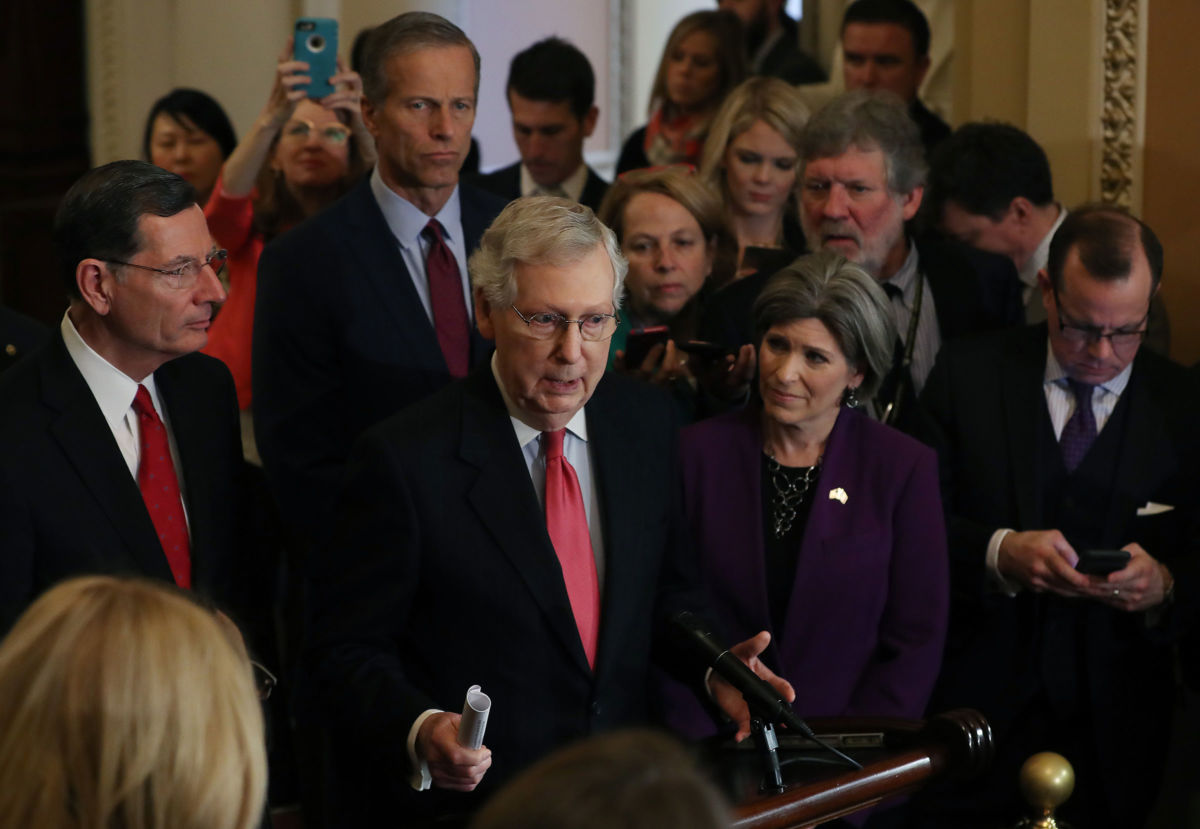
point(160, 489)
point(1080, 431)
point(566, 521)
point(446, 297)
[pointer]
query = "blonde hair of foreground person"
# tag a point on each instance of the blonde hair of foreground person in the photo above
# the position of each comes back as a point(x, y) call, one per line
point(127, 705)
point(634, 779)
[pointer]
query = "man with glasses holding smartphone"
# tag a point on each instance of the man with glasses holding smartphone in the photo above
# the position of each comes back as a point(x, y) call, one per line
point(1062, 443)
point(119, 446)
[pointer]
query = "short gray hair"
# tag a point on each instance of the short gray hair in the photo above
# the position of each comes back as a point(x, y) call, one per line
point(405, 33)
point(869, 120)
point(540, 230)
point(826, 286)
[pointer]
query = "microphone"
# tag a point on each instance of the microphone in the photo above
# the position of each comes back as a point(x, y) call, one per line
point(762, 698)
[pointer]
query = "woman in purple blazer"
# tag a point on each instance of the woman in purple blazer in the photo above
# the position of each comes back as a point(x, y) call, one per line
point(815, 522)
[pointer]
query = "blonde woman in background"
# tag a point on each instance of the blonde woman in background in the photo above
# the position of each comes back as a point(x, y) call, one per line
point(751, 159)
point(704, 58)
point(127, 705)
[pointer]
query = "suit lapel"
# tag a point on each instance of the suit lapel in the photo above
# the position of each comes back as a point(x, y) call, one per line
point(505, 502)
point(187, 417)
point(88, 444)
point(614, 459)
point(370, 242)
point(1146, 454)
point(1024, 404)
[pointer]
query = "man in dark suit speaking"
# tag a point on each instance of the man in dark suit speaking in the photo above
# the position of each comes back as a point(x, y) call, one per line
point(120, 450)
point(518, 530)
point(1057, 440)
point(367, 307)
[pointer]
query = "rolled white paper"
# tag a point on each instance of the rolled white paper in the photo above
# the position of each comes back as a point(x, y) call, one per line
point(476, 707)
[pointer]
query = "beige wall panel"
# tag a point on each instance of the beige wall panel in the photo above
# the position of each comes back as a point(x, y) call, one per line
point(1172, 164)
point(992, 61)
point(1065, 91)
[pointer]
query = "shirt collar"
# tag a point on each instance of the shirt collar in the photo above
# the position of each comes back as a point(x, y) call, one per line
point(406, 220)
point(1028, 274)
point(1057, 375)
point(572, 185)
point(113, 389)
point(577, 425)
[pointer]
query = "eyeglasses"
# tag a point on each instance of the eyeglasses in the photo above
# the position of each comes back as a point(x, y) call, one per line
point(593, 328)
point(1079, 336)
point(185, 276)
point(298, 129)
point(264, 680)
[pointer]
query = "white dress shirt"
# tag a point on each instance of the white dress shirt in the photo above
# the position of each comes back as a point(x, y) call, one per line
point(1060, 403)
point(407, 221)
point(114, 392)
point(1034, 312)
point(572, 185)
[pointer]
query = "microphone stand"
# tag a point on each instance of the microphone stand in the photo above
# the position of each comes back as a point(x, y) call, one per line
point(768, 749)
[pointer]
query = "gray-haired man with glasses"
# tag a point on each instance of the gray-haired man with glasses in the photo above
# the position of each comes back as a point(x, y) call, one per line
point(1070, 455)
point(517, 531)
point(119, 446)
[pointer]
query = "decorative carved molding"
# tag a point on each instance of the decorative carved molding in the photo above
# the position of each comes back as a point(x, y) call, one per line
point(1120, 106)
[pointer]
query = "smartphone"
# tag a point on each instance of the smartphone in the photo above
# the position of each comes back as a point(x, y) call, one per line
point(705, 350)
point(1102, 562)
point(316, 43)
point(639, 342)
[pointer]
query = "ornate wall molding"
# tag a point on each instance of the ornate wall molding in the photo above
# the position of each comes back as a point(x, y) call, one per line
point(1121, 106)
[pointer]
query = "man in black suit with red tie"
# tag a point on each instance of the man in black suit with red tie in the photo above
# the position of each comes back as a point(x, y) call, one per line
point(119, 444)
point(1057, 440)
point(367, 308)
point(518, 530)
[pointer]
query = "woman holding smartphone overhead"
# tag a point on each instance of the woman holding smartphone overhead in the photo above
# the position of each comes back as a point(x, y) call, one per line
point(299, 157)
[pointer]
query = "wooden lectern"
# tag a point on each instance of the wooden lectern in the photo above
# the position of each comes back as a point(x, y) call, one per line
point(898, 757)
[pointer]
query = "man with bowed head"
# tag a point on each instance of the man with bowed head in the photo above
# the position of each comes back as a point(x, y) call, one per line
point(1058, 441)
point(519, 530)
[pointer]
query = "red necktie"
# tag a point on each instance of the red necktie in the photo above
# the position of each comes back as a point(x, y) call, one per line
point(446, 298)
point(160, 489)
point(567, 524)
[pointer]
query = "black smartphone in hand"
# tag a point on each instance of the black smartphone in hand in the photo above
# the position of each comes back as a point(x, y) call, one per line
point(1102, 562)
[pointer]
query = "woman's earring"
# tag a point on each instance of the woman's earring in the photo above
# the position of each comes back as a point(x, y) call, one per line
point(850, 397)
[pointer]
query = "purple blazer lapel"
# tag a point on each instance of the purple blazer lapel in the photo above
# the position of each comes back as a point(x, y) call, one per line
point(827, 513)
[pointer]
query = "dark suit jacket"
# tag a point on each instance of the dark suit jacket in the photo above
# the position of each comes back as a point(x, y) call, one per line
point(19, 335)
point(933, 129)
point(341, 341)
point(867, 615)
point(506, 183)
point(443, 576)
point(972, 290)
point(68, 505)
point(986, 405)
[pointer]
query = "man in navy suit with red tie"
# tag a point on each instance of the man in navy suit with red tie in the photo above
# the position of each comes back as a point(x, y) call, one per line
point(518, 530)
point(119, 445)
point(367, 308)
